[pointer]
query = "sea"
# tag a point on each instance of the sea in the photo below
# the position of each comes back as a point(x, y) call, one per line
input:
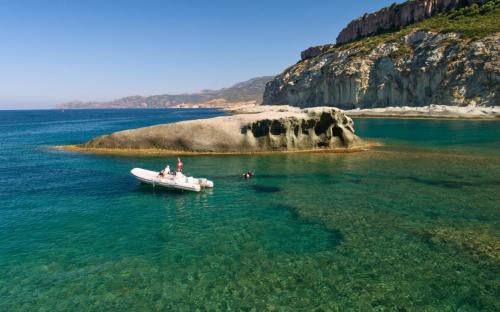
point(410, 225)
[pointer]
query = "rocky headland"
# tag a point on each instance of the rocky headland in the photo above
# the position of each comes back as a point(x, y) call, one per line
point(295, 130)
point(418, 53)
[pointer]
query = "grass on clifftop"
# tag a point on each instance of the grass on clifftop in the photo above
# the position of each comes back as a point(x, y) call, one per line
point(472, 22)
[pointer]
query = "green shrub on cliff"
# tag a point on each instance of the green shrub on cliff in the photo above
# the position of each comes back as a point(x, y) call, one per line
point(475, 9)
point(473, 22)
point(403, 51)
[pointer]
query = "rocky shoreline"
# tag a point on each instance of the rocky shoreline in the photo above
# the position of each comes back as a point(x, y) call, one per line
point(430, 111)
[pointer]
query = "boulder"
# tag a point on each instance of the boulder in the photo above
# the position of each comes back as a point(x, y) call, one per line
point(320, 128)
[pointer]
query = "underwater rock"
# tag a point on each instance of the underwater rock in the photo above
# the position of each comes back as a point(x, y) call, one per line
point(477, 243)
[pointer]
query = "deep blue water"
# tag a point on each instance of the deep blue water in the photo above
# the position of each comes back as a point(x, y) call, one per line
point(411, 225)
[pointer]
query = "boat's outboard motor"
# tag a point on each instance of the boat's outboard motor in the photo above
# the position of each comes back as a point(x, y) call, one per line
point(205, 183)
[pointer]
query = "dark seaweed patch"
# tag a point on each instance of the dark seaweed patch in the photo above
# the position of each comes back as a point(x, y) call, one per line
point(335, 237)
point(266, 189)
point(292, 209)
point(433, 214)
point(273, 176)
point(451, 184)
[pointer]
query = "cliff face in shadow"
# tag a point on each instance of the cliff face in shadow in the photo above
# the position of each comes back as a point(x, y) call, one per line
point(319, 128)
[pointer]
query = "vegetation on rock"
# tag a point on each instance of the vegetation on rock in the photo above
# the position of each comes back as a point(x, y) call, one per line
point(472, 22)
point(449, 59)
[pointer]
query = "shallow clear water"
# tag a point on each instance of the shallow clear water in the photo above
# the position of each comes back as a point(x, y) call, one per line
point(412, 225)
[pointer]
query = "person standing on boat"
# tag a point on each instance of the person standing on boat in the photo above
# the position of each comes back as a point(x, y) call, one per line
point(179, 165)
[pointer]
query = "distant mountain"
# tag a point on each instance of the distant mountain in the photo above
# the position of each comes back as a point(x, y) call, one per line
point(249, 91)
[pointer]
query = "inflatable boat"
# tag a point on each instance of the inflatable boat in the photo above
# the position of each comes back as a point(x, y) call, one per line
point(174, 180)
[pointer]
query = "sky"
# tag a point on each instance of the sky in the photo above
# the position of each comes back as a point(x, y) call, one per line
point(58, 51)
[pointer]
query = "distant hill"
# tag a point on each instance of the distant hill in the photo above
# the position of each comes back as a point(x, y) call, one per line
point(249, 91)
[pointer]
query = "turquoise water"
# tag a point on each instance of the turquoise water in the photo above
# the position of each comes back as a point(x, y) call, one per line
point(412, 225)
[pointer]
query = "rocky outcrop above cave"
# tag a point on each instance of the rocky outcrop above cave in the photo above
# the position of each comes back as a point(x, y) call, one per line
point(320, 128)
point(416, 69)
point(397, 16)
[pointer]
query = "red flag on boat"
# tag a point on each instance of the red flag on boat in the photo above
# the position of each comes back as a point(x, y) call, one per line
point(179, 164)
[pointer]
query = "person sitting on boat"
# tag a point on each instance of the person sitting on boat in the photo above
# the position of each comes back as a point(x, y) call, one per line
point(164, 171)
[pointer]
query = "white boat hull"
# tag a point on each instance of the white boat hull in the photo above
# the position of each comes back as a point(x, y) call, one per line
point(177, 181)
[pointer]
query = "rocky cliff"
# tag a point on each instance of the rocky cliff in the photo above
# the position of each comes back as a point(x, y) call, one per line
point(398, 15)
point(450, 59)
point(320, 128)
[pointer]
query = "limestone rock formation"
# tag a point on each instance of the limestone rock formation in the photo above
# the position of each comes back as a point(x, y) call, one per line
point(318, 128)
point(396, 16)
point(420, 68)
point(450, 56)
point(315, 51)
